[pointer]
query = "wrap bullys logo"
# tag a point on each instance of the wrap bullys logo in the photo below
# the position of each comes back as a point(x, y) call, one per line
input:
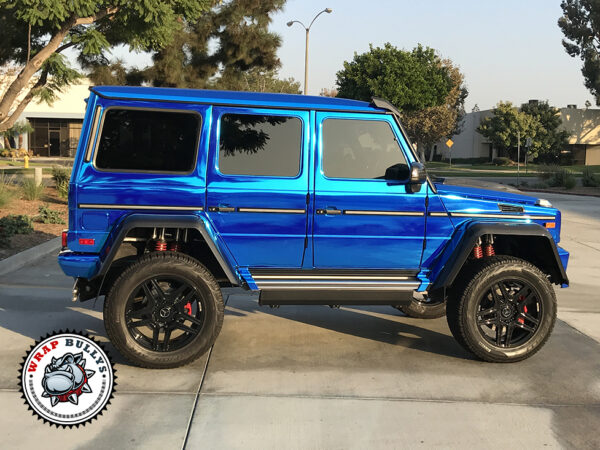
point(67, 379)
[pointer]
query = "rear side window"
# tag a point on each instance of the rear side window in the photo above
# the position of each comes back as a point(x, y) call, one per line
point(153, 141)
point(361, 149)
point(260, 145)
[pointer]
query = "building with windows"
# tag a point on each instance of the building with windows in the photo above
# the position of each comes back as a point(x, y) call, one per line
point(56, 128)
point(582, 124)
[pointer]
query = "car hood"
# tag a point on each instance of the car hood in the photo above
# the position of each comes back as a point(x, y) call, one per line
point(483, 190)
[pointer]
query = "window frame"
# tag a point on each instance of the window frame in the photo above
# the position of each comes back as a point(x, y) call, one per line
point(289, 114)
point(355, 118)
point(98, 138)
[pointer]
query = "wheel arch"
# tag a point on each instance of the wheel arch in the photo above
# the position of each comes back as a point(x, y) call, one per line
point(188, 221)
point(528, 241)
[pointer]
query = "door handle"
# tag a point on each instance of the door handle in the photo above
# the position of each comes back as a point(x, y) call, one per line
point(221, 209)
point(330, 211)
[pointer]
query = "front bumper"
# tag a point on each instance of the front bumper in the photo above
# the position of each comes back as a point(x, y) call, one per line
point(564, 259)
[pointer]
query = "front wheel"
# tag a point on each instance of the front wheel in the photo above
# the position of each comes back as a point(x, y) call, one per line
point(506, 311)
point(164, 311)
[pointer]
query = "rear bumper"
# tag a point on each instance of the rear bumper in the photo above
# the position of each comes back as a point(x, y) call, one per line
point(79, 265)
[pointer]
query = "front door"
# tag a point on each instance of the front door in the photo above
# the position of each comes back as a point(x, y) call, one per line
point(257, 184)
point(362, 220)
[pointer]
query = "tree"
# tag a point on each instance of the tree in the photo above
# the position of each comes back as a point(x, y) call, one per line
point(428, 91)
point(428, 125)
point(230, 47)
point(550, 139)
point(34, 33)
point(580, 24)
point(506, 126)
point(257, 80)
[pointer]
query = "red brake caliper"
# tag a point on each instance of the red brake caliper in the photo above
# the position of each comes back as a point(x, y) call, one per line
point(520, 319)
point(188, 308)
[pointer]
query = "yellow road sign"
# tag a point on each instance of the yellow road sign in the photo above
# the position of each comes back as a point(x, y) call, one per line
point(449, 143)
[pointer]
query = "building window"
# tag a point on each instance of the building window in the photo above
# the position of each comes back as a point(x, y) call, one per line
point(260, 145)
point(148, 140)
point(54, 137)
point(359, 149)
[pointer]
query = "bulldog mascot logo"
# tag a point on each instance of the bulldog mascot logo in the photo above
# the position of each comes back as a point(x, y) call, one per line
point(67, 379)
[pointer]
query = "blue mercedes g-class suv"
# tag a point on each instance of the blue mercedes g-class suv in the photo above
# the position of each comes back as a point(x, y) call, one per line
point(307, 200)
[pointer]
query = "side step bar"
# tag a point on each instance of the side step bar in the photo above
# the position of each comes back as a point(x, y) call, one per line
point(334, 297)
point(335, 287)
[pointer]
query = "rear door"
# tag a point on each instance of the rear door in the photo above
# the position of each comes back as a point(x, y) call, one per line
point(361, 219)
point(257, 184)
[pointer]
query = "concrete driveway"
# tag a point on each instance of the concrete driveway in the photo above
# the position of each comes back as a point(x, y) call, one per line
point(313, 377)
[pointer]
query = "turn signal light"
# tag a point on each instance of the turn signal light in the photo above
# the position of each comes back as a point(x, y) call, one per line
point(64, 238)
point(86, 241)
point(550, 225)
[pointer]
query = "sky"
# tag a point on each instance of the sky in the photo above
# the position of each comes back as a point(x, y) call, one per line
point(508, 50)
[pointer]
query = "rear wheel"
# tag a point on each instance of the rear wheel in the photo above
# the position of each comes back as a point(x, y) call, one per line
point(164, 311)
point(506, 311)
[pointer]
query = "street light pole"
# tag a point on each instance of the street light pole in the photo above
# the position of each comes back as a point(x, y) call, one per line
point(307, 28)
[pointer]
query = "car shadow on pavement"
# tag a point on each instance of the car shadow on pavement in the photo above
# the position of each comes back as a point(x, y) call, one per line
point(381, 324)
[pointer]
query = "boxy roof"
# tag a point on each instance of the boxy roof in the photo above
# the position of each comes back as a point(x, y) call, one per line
point(233, 98)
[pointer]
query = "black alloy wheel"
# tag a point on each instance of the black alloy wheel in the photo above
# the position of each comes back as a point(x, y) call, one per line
point(509, 313)
point(164, 313)
point(502, 309)
point(165, 310)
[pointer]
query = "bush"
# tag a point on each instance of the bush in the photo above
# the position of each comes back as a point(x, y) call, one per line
point(61, 176)
point(11, 225)
point(590, 179)
point(563, 178)
point(47, 215)
point(502, 161)
point(31, 191)
point(547, 171)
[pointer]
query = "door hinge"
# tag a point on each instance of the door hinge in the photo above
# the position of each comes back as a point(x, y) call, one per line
point(307, 199)
point(305, 242)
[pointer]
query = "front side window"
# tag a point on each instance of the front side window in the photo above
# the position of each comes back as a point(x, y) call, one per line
point(153, 141)
point(362, 149)
point(260, 145)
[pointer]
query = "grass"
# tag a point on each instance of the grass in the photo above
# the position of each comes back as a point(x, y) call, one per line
point(6, 193)
point(31, 190)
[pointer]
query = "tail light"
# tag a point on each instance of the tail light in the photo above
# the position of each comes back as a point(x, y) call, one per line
point(83, 241)
point(64, 238)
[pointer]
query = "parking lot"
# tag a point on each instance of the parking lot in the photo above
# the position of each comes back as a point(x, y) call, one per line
point(315, 377)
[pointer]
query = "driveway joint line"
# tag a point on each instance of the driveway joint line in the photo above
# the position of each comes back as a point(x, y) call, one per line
point(197, 396)
point(400, 399)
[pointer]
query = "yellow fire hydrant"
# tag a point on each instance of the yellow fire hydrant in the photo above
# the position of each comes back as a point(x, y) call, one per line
point(26, 159)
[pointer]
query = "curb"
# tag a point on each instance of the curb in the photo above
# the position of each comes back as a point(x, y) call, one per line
point(580, 194)
point(28, 256)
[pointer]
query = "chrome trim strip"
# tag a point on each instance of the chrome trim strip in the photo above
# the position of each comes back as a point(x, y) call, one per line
point(152, 207)
point(371, 287)
point(328, 277)
point(503, 216)
point(336, 283)
point(271, 210)
point(438, 214)
point(351, 212)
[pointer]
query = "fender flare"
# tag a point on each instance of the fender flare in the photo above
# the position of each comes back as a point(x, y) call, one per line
point(452, 259)
point(168, 221)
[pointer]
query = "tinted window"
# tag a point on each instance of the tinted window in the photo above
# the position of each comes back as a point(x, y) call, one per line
point(359, 148)
point(148, 140)
point(260, 145)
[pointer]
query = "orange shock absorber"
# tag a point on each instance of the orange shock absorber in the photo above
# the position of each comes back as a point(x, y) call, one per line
point(160, 245)
point(174, 247)
point(477, 251)
point(489, 250)
point(489, 247)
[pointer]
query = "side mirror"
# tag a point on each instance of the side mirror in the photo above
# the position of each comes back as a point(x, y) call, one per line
point(414, 174)
point(418, 175)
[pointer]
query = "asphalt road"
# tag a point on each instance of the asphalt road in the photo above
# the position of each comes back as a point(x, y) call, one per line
point(312, 377)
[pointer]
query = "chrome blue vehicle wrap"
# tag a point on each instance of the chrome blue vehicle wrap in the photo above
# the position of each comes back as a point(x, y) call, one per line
point(267, 231)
